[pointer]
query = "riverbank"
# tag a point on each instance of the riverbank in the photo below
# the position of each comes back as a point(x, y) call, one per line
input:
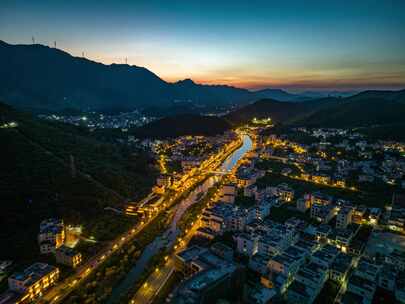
point(187, 227)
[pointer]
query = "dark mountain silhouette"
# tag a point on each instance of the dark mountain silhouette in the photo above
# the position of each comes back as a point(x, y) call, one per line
point(357, 112)
point(323, 94)
point(40, 78)
point(184, 124)
point(369, 108)
point(398, 96)
point(279, 112)
point(211, 94)
point(280, 95)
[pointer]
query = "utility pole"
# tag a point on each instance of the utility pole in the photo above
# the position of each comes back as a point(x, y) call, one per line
point(72, 166)
point(33, 40)
point(54, 44)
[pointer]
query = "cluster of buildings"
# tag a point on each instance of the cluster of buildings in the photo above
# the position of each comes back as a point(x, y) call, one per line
point(396, 213)
point(9, 125)
point(51, 239)
point(298, 258)
point(211, 274)
point(246, 175)
point(192, 154)
point(356, 156)
point(94, 120)
point(228, 215)
point(294, 260)
point(51, 235)
point(29, 284)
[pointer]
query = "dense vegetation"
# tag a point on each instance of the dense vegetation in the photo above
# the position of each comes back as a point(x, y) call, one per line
point(179, 125)
point(369, 196)
point(37, 180)
point(394, 131)
point(99, 285)
point(355, 113)
point(379, 113)
point(279, 112)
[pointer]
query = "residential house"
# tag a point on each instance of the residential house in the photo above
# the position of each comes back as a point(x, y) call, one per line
point(34, 280)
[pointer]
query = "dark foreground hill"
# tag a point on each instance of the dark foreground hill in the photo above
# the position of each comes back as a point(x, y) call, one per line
point(38, 180)
point(185, 124)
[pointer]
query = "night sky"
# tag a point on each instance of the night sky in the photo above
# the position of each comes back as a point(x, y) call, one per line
point(297, 45)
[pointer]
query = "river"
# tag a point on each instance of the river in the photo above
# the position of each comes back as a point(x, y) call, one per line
point(169, 236)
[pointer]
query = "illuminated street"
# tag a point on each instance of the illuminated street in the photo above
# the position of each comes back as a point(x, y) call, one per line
point(202, 152)
point(61, 290)
point(157, 279)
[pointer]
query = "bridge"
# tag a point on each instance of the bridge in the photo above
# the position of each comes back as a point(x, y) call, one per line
point(219, 172)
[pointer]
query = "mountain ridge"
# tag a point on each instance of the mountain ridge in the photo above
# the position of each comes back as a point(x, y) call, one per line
point(366, 108)
point(38, 77)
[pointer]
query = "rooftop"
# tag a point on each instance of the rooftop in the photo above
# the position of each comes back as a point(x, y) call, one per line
point(33, 273)
point(312, 271)
point(283, 259)
point(190, 290)
point(67, 251)
point(342, 263)
point(362, 283)
point(299, 288)
point(191, 253)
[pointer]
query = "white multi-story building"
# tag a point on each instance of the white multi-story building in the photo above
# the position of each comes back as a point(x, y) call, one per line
point(247, 244)
point(308, 282)
point(51, 235)
point(344, 217)
point(34, 280)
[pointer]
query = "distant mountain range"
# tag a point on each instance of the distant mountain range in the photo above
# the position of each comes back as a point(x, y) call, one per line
point(40, 78)
point(323, 94)
point(380, 113)
point(281, 95)
point(368, 107)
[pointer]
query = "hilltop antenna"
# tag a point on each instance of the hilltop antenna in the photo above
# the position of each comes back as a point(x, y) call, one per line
point(33, 40)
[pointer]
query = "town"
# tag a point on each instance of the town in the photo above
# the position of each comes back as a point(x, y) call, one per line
point(300, 215)
point(94, 120)
point(202, 152)
point(299, 223)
